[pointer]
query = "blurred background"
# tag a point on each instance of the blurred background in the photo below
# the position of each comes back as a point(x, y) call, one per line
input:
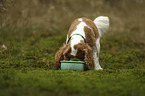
point(53, 17)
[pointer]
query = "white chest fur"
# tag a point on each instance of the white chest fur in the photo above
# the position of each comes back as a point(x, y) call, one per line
point(76, 39)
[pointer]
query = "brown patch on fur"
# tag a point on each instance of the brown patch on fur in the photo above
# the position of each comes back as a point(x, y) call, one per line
point(81, 51)
point(62, 55)
point(85, 54)
point(89, 58)
point(92, 25)
point(90, 36)
point(73, 27)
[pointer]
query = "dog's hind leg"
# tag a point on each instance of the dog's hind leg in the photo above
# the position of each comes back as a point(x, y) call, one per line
point(96, 51)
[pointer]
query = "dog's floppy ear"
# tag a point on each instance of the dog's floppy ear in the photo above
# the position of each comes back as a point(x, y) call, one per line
point(89, 58)
point(60, 55)
point(67, 49)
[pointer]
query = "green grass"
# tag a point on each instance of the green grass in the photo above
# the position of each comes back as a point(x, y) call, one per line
point(32, 32)
point(63, 82)
point(26, 67)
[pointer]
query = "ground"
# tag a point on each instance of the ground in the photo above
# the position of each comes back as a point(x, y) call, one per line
point(26, 67)
point(28, 45)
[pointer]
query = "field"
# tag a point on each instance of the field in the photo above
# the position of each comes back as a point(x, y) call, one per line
point(31, 35)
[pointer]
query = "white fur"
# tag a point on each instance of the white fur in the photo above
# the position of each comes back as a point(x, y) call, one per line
point(80, 29)
point(102, 23)
point(96, 59)
point(66, 38)
point(98, 45)
point(76, 38)
point(80, 19)
point(96, 51)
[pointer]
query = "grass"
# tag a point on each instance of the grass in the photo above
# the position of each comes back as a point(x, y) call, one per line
point(63, 82)
point(32, 32)
point(26, 67)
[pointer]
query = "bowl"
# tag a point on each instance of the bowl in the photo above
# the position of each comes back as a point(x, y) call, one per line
point(72, 65)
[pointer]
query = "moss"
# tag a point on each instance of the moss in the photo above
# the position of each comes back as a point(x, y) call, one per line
point(26, 66)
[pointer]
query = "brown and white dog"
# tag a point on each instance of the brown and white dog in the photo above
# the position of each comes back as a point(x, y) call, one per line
point(83, 42)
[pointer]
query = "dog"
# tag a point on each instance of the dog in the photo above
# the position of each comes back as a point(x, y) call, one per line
point(83, 42)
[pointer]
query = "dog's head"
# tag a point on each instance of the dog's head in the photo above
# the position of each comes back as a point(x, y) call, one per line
point(83, 53)
point(76, 52)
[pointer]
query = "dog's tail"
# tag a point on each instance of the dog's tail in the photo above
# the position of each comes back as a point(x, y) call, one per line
point(102, 23)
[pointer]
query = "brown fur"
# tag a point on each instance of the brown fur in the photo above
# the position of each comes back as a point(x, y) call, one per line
point(89, 58)
point(90, 36)
point(73, 27)
point(81, 47)
point(92, 25)
point(91, 30)
point(61, 55)
point(85, 54)
point(84, 49)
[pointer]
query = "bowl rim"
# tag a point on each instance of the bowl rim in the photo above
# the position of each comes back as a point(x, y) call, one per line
point(72, 61)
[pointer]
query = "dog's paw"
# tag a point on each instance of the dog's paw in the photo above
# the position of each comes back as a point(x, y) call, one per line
point(98, 68)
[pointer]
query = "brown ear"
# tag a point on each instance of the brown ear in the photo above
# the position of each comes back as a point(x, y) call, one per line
point(59, 56)
point(80, 46)
point(67, 49)
point(89, 58)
